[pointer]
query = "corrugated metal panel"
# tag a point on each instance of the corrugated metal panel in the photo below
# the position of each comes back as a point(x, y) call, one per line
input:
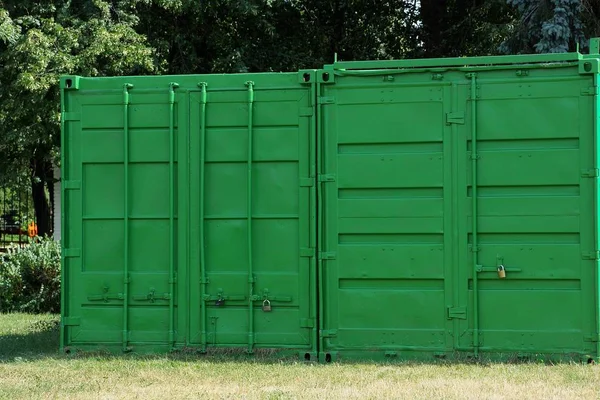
point(415, 156)
point(188, 216)
point(416, 209)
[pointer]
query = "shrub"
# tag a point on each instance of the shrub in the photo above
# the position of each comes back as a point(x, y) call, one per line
point(30, 278)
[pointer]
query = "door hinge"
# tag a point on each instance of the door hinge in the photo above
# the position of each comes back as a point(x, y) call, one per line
point(457, 117)
point(71, 116)
point(328, 333)
point(307, 323)
point(326, 255)
point(326, 178)
point(305, 112)
point(71, 321)
point(592, 338)
point(591, 91)
point(325, 100)
point(71, 185)
point(590, 173)
point(72, 253)
point(457, 312)
point(307, 182)
point(591, 255)
point(307, 252)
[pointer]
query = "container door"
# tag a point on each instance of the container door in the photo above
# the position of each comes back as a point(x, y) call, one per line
point(252, 222)
point(122, 146)
point(534, 179)
point(388, 209)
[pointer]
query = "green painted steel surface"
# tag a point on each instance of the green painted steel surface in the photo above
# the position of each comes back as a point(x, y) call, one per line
point(411, 158)
point(187, 206)
point(344, 212)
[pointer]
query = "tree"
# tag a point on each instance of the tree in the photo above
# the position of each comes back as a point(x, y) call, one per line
point(458, 28)
point(41, 41)
point(550, 26)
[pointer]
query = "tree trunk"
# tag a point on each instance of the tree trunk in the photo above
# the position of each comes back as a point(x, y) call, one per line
point(41, 175)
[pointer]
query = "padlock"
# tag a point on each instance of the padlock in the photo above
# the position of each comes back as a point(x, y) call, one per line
point(501, 272)
point(220, 301)
point(266, 306)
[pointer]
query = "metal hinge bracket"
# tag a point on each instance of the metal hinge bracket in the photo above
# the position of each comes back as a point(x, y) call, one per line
point(71, 185)
point(72, 253)
point(305, 112)
point(307, 182)
point(592, 338)
point(326, 255)
point(590, 173)
point(71, 321)
point(457, 312)
point(326, 178)
point(457, 117)
point(307, 323)
point(328, 333)
point(591, 255)
point(307, 252)
point(325, 100)
point(591, 91)
point(71, 116)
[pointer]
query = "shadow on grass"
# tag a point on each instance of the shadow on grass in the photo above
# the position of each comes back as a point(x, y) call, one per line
point(40, 340)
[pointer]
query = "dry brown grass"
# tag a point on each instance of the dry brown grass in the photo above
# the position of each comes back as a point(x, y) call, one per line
point(34, 376)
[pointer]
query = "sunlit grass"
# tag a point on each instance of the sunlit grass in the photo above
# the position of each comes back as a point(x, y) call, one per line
point(31, 368)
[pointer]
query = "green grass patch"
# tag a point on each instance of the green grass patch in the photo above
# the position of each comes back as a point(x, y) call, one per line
point(24, 336)
point(32, 368)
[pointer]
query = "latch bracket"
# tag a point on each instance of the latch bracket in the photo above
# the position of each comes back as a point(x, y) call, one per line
point(328, 333)
point(323, 255)
point(457, 312)
point(456, 117)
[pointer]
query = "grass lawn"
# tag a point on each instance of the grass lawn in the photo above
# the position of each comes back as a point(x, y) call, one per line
point(30, 368)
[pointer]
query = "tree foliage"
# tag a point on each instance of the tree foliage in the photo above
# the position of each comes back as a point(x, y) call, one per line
point(547, 26)
point(41, 40)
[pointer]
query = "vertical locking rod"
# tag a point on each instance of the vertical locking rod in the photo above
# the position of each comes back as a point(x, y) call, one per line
point(322, 149)
point(203, 277)
point(475, 244)
point(172, 87)
point(313, 218)
point(126, 102)
point(250, 86)
point(597, 200)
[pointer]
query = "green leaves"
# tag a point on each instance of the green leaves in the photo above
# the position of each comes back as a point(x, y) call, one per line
point(39, 42)
point(30, 278)
point(61, 38)
point(548, 26)
point(9, 32)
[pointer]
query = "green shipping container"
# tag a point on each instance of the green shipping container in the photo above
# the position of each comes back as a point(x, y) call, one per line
point(370, 209)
